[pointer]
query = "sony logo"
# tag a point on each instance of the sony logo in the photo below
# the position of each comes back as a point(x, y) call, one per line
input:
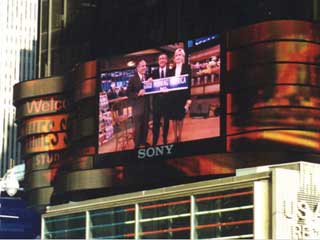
point(155, 151)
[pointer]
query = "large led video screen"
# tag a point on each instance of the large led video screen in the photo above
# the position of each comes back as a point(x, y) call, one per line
point(162, 96)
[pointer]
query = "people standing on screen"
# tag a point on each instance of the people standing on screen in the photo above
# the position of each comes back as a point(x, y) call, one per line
point(139, 104)
point(160, 102)
point(122, 92)
point(179, 100)
point(112, 94)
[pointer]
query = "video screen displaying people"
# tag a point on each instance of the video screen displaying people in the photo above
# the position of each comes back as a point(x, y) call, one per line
point(170, 94)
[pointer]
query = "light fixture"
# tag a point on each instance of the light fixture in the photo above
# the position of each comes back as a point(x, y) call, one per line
point(131, 64)
point(9, 183)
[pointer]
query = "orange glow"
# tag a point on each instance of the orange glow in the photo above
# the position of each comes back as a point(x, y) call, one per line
point(274, 30)
point(87, 88)
point(88, 70)
point(272, 118)
point(204, 165)
point(44, 124)
point(45, 142)
point(296, 138)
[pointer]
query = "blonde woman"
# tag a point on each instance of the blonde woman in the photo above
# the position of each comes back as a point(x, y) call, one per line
point(179, 100)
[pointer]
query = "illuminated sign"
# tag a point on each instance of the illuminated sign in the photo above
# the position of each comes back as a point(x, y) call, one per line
point(44, 124)
point(166, 84)
point(43, 160)
point(39, 87)
point(155, 151)
point(181, 93)
point(296, 208)
point(307, 224)
point(43, 105)
point(45, 142)
point(274, 30)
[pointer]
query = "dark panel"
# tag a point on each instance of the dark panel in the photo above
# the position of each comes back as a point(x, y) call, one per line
point(81, 128)
point(82, 163)
point(39, 197)
point(87, 179)
point(81, 156)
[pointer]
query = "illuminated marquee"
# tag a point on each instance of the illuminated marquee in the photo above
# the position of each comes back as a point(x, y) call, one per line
point(166, 84)
point(45, 142)
point(43, 160)
point(44, 124)
point(36, 88)
point(43, 105)
point(155, 151)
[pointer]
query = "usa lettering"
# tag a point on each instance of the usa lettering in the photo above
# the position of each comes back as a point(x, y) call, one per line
point(306, 218)
point(155, 151)
point(302, 210)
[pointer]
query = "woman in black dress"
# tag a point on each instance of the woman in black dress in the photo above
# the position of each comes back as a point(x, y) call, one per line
point(179, 100)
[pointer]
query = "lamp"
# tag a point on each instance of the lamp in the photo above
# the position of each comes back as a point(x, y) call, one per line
point(9, 183)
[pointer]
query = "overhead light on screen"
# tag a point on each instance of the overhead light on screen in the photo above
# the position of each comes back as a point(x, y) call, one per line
point(131, 64)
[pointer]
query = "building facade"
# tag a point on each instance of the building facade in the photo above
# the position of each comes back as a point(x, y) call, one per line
point(269, 90)
point(256, 203)
point(65, 34)
point(75, 31)
point(18, 27)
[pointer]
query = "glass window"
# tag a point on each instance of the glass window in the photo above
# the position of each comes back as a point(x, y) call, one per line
point(66, 227)
point(113, 223)
point(224, 214)
point(167, 219)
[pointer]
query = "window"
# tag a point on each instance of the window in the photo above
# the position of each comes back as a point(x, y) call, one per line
point(113, 223)
point(224, 214)
point(66, 227)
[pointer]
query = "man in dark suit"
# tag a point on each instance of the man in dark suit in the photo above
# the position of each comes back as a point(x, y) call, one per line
point(160, 102)
point(136, 97)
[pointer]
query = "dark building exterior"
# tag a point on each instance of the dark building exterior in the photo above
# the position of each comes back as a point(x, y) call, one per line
point(66, 34)
point(255, 204)
point(72, 31)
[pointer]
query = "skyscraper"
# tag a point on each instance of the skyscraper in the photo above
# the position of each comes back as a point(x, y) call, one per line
point(18, 39)
point(65, 34)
